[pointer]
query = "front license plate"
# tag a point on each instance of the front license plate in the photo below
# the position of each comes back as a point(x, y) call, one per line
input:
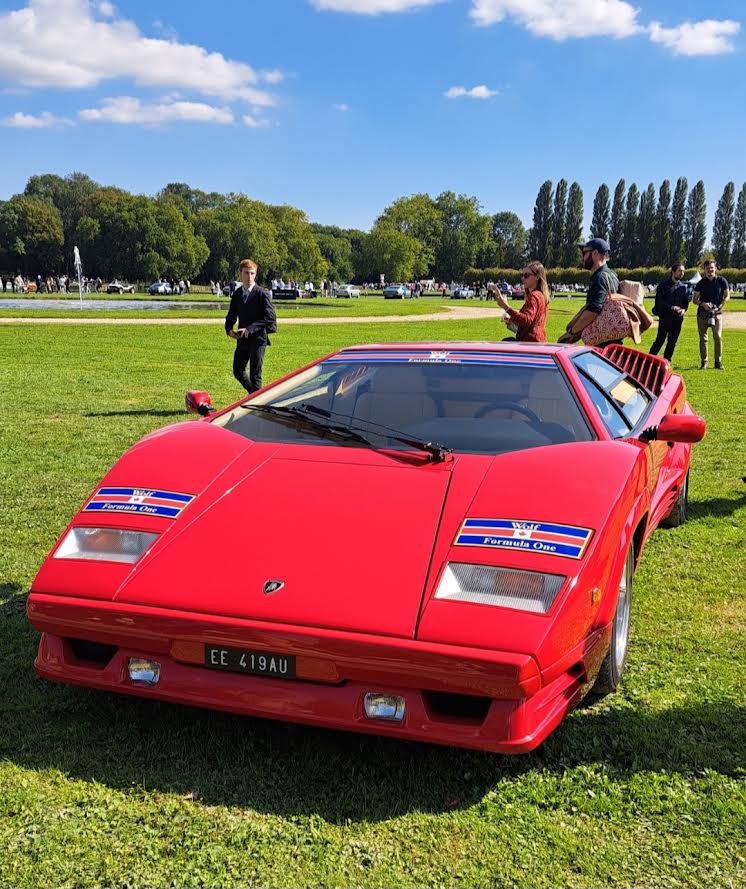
point(244, 660)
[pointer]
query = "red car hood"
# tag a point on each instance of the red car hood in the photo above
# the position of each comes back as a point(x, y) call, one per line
point(348, 533)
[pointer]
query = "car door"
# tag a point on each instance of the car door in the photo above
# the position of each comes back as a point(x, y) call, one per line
point(626, 408)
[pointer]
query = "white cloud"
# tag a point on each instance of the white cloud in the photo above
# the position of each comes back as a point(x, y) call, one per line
point(342, 106)
point(562, 19)
point(372, 7)
point(61, 43)
point(273, 76)
point(254, 122)
point(476, 92)
point(22, 121)
point(128, 110)
point(106, 8)
point(705, 38)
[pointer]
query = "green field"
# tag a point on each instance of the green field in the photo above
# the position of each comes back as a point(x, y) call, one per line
point(645, 788)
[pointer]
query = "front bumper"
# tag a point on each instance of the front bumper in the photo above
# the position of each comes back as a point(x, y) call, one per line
point(334, 672)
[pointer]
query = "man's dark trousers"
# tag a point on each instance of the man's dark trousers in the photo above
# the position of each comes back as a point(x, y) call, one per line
point(249, 351)
point(669, 325)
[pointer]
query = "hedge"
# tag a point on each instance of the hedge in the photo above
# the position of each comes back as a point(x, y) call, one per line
point(650, 275)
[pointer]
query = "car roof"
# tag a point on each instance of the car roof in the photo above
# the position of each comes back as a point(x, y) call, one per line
point(491, 346)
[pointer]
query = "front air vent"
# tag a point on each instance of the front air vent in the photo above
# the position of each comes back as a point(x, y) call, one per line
point(93, 652)
point(449, 706)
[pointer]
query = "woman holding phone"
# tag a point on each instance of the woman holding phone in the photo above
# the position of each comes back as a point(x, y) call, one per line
point(530, 321)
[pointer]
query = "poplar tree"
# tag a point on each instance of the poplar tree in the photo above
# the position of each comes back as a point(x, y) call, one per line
point(558, 227)
point(646, 228)
point(616, 229)
point(601, 213)
point(629, 236)
point(739, 230)
point(695, 228)
point(722, 230)
point(662, 252)
point(573, 226)
point(540, 236)
point(678, 219)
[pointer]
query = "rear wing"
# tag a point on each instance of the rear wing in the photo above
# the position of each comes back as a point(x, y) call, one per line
point(651, 371)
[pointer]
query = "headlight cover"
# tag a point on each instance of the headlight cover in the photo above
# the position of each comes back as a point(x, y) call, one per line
point(504, 587)
point(105, 545)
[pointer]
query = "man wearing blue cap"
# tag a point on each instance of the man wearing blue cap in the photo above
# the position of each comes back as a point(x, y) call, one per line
point(603, 282)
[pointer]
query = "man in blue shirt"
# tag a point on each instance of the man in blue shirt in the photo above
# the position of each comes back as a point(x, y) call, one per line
point(711, 293)
point(671, 302)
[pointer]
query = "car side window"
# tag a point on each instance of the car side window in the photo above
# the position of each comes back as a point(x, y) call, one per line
point(610, 416)
point(599, 379)
point(625, 393)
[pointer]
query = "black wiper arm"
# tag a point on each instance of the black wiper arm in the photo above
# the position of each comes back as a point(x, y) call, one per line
point(301, 414)
point(437, 451)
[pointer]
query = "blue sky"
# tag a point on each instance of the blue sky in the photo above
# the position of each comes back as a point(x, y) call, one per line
point(341, 106)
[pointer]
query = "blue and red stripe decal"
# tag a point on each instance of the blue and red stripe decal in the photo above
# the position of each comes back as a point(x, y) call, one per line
point(138, 501)
point(546, 538)
point(442, 356)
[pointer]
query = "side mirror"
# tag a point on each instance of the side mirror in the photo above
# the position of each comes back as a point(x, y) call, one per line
point(198, 403)
point(676, 427)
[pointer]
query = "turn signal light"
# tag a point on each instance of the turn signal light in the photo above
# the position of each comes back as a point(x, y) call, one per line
point(388, 707)
point(144, 672)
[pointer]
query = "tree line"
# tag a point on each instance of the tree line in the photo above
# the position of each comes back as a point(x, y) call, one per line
point(644, 229)
point(183, 232)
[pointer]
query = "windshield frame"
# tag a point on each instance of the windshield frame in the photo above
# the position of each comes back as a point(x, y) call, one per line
point(581, 425)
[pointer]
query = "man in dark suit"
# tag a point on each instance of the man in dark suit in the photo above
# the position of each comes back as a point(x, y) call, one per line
point(252, 307)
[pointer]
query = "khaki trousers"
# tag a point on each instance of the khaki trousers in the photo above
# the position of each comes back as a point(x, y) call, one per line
point(717, 336)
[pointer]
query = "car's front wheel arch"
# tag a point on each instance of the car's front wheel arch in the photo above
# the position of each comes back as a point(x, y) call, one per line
point(612, 667)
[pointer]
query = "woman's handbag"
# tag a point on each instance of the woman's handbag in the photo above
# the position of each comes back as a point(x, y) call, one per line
point(613, 323)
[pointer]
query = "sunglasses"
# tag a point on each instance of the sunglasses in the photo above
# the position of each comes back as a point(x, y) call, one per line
point(528, 275)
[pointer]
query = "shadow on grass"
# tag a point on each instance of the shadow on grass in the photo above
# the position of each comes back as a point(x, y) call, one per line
point(289, 770)
point(716, 506)
point(153, 412)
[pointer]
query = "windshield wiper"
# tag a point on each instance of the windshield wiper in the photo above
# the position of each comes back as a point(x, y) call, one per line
point(310, 414)
point(437, 451)
point(300, 414)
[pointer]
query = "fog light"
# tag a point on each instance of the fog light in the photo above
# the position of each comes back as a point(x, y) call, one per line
point(144, 672)
point(390, 707)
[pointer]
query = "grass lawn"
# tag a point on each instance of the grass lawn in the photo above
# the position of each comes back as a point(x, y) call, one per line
point(645, 788)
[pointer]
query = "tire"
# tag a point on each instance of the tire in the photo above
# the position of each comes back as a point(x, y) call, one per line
point(610, 674)
point(678, 514)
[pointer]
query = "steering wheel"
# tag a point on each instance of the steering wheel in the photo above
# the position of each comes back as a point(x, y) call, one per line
point(507, 405)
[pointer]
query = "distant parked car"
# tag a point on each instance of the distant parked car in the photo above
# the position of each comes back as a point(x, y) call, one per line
point(396, 291)
point(120, 287)
point(160, 288)
point(462, 293)
point(347, 290)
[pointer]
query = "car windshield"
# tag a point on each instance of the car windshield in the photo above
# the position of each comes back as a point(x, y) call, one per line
point(471, 402)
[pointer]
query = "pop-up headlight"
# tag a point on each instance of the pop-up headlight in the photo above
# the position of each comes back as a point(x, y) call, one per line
point(505, 587)
point(105, 545)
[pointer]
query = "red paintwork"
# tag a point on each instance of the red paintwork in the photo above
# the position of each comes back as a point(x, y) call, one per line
point(361, 541)
point(681, 428)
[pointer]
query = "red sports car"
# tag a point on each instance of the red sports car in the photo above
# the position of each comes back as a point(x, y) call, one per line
point(427, 541)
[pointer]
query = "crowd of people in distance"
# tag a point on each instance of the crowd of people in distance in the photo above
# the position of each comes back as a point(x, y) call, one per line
point(66, 284)
point(39, 284)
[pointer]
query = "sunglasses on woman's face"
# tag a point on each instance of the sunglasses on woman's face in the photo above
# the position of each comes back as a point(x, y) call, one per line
point(528, 275)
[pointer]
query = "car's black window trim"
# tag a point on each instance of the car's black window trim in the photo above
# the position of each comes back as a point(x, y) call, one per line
point(641, 421)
